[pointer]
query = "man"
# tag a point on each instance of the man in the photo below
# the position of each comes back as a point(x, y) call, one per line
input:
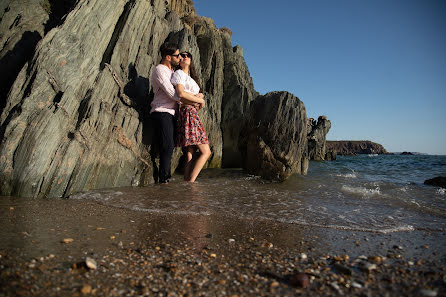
point(164, 106)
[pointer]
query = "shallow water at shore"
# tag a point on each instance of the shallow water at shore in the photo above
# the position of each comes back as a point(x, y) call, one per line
point(365, 193)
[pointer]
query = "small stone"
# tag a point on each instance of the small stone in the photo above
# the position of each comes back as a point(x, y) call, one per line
point(428, 293)
point(335, 286)
point(299, 279)
point(100, 228)
point(145, 291)
point(336, 258)
point(375, 259)
point(86, 289)
point(231, 240)
point(67, 240)
point(356, 285)
point(275, 284)
point(425, 246)
point(366, 266)
point(213, 256)
point(398, 247)
point(303, 256)
point(91, 263)
point(343, 269)
point(112, 237)
point(11, 208)
point(209, 235)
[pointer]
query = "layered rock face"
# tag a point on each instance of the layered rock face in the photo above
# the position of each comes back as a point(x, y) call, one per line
point(22, 25)
point(274, 139)
point(346, 147)
point(75, 115)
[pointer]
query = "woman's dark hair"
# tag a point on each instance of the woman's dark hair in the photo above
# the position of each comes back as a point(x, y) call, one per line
point(192, 71)
point(168, 48)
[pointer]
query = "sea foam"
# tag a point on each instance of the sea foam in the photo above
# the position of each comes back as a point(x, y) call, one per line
point(364, 192)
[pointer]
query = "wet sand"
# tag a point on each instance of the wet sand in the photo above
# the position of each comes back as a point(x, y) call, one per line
point(44, 245)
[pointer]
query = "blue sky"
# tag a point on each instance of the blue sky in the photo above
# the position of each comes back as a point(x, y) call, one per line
point(375, 68)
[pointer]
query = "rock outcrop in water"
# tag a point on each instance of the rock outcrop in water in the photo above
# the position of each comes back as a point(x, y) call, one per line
point(439, 181)
point(75, 115)
point(274, 140)
point(316, 139)
point(348, 147)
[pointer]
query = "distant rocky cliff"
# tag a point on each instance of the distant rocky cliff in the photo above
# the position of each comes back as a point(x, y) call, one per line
point(348, 147)
point(75, 103)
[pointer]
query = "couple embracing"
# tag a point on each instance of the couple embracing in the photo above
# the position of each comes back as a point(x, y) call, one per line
point(174, 108)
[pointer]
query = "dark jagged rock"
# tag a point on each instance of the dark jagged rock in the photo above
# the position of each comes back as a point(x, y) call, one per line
point(407, 154)
point(274, 141)
point(348, 147)
point(330, 155)
point(439, 181)
point(76, 115)
point(238, 93)
point(316, 138)
point(182, 7)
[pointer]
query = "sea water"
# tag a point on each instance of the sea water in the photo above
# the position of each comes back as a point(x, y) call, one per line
point(371, 193)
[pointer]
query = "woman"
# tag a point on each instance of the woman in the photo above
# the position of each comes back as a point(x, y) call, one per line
point(190, 134)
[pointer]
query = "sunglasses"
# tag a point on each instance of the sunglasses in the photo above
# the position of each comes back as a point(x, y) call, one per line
point(186, 55)
point(175, 55)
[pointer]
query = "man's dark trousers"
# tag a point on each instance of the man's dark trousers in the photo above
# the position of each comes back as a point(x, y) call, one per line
point(164, 132)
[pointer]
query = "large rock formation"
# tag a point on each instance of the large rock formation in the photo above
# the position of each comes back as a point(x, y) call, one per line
point(75, 114)
point(274, 139)
point(348, 147)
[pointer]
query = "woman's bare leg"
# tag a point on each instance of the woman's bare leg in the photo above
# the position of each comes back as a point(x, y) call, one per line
point(189, 162)
point(205, 153)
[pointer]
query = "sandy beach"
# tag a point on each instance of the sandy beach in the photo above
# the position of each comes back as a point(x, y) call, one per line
point(64, 247)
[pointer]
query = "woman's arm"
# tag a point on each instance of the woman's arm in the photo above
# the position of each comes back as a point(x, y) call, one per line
point(188, 98)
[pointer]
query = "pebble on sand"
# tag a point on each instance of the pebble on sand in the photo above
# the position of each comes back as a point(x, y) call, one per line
point(375, 259)
point(86, 289)
point(67, 240)
point(299, 279)
point(91, 263)
point(428, 293)
point(366, 266)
